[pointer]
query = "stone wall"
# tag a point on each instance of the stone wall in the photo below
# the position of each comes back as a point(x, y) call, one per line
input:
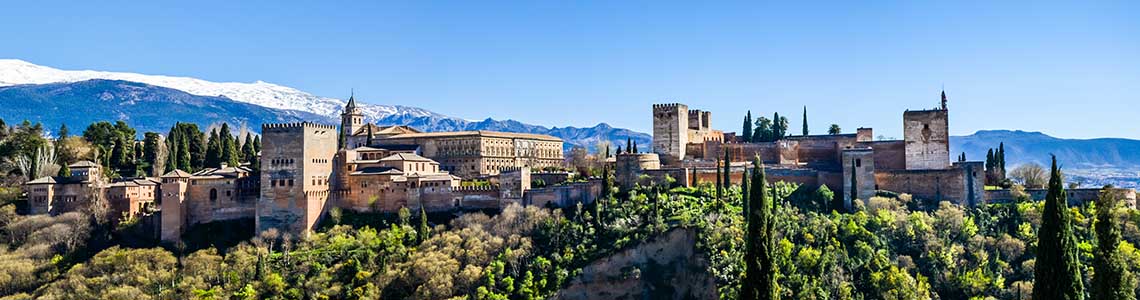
point(630, 166)
point(860, 165)
point(292, 157)
point(927, 137)
point(670, 131)
point(889, 155)
point(963, 184)
point(1075, 197)
point(566, 195)
point(668, 266)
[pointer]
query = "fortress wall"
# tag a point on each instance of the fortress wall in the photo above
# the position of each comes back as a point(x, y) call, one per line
point(889, 155)
point(933, 185)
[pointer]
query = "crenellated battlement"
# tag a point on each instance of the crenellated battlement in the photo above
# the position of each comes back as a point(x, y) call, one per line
point(476, 188)
point(305, 124)
point(666, 106)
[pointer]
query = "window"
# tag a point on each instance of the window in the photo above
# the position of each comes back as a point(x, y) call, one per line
point(858, 163)
point(213, 195)
point(290, 182)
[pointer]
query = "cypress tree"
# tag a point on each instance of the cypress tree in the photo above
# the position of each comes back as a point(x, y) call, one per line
point(63, 131)
point(805, 121)
point(746, 132)
point(759, 280)
point(1001, 157)
point(619, 149)
point(368, 140)
point(635, 148)
point(990, 160)
point(629, 144)
point(718, 180)
point(256, 145)
point(727, 170)
point(64, 171)
point(744, 179)
point(1057, 271)
point(693, 181)
point(854, 182)
point(1111, 278)
point(424, 231)
point(777, 131)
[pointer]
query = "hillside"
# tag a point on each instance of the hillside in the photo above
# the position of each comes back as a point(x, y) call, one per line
point(276, 102)
point(146, 107)
point(1022, 147)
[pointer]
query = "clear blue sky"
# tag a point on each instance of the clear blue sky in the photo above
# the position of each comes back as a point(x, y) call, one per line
point(1070, 70)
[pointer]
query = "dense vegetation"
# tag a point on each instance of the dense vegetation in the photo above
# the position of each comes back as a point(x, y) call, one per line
point(890, 248)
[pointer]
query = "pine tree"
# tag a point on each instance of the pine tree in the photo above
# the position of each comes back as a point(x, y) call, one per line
point(228, 146)
point(63, 131)
point(247, 153)
point(64, 171)
point(746, 132)
point(1111, 277)
point(759, 280)
point(213, 150)
point(1057, 274)
point(805, 121)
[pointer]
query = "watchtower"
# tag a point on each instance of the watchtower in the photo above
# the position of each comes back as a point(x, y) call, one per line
point(296, 172)
point(670, 131)
point(926, 135)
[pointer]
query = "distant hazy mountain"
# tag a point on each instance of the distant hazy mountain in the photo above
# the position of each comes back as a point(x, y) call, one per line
point(146, 107)
point(140, 99)
point(1023, 146)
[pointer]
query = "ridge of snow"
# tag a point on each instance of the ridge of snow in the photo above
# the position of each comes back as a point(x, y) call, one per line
point(15, 72)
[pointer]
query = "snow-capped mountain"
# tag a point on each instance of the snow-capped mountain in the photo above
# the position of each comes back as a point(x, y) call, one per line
point(15, 72)
point(46, 89)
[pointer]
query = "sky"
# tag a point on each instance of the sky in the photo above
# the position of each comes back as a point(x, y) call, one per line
point(1069, 69)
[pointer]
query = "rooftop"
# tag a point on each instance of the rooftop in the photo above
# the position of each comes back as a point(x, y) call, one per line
point(484, 133)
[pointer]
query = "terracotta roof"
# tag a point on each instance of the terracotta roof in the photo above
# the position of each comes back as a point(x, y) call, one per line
point(176, 174)
point(485, 133)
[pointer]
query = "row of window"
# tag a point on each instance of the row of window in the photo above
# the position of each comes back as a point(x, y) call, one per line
point(280, 182)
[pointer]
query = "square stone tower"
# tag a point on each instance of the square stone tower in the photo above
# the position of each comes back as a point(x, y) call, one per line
point(296, 171)
point(670, 131)
point(858, 175)
point(927, 139)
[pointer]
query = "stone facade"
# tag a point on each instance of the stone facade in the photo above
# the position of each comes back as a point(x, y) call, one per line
point(630, 166)
point(212, 194)
point(919, 164)
point(927, 137)
point(296, 168)
point(676, 129)
point(481, 153)
point(55, 195)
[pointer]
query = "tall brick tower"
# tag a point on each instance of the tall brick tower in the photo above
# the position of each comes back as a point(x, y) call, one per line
point(296, 176)
point(670, 131)
point(927, 138)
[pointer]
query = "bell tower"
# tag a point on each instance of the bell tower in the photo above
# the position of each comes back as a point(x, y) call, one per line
point(351, 120)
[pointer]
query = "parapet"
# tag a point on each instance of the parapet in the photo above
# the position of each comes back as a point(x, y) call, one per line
point(668, 106)
point(305, 124)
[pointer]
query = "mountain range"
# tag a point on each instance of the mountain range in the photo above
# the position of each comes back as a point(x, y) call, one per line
point(155, 102)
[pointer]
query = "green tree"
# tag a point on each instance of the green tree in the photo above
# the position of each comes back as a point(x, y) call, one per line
point(759, 281)
point(777, 130)
point(1057, 273)
point(763, 131)
point(1111, 277)
point(727, 170)
point(746, 131)
point(834, 129)
point(63, 131)
point(805, 121)
point(247, 153)
point(423, 232)
point(229, 147)
point(719, 180)
point(213, 150)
